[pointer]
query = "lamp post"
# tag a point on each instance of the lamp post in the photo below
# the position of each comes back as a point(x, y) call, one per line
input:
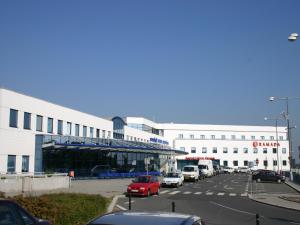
point(277, 144)
point(286, 117)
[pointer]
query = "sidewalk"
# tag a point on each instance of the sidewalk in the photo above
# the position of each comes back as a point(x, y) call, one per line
point(280, 200)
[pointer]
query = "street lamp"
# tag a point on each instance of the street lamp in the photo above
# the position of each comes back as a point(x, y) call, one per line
point(286, 117)
point(277, 144)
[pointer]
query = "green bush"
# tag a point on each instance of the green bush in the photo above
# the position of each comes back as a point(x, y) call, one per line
point(65, 209)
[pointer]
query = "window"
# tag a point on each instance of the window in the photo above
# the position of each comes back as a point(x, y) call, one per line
point(191, 136)
point(255, 150)
point(59, 127)
point(252, 137)
point(27, 121)
point(271, 137)
point(274, 150)
point(223, 137)
point(280, 138)
point(13, 118)
point(266, 163)
point(274, 162)
point(243, 137)
point(98, 134)
point(204, 150)
point(84, 131)
point(262, 137)
point(245, 150)
point(193, 150)
point(108, 134)
point(103, 135)
point(91, 132)
point(50, 125)
point(235, 163)
point(11, 163)
point(235, 150)
point(225, 150)
point(39, 123)
point(265, 150)
point(69, 128)
point(283, 150)
point(182, 149)
point(180, 136)
point(25, 163)
point(215, 150)
point(213, 137)
point(284, 162)
point(225, 163)
point(245, 162)
point(233, 137)
point(77, 130)
point(202, 136)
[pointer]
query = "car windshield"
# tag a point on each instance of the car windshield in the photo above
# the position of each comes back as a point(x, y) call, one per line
point(141, 180)
point(176, 175)
point(201, 167)
point(188, 169)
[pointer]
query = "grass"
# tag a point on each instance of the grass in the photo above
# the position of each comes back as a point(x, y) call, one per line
point(65, 208)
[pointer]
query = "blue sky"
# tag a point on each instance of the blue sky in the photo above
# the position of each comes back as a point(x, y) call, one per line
point(213, 62)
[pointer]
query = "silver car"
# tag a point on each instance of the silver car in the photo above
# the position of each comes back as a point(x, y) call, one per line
point(146, 218)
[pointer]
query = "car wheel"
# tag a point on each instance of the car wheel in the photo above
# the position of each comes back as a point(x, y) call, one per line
point(258, 180)
point(278, 181)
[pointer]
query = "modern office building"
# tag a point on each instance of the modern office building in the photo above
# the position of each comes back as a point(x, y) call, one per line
point(39, 136)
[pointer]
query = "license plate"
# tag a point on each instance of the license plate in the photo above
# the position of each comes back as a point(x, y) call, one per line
point(134, 190)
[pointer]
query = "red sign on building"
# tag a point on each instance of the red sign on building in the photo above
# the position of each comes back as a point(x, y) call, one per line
point(264, 144)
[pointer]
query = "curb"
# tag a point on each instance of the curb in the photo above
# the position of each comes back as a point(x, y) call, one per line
point(292, 186)
point(113, 203)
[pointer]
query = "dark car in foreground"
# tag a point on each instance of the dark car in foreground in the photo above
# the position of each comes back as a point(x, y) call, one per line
point(268, 176)
point(144, 186)
point(13, 214)
point(146, 218)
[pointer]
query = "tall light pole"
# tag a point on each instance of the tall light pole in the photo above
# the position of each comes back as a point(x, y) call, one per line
point(286, 117)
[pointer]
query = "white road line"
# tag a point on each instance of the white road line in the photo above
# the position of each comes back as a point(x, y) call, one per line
point(232, 194)
point(120, 207)
point(128, 202)
point(221, 193)
point(244, 195)
point(209, 193)
point(236, 210)
point(163, 192)
point(198, 193)
point(187, 192)
point(173, 192)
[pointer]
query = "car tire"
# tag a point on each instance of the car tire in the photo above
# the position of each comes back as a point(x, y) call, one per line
point(258, 180)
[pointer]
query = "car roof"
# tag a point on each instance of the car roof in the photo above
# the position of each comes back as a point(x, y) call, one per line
point(145, 218)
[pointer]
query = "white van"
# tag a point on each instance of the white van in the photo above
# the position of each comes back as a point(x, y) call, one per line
point(190, 172)
point(206, 167)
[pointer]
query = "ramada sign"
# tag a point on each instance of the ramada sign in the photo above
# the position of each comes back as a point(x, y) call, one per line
point(198, 158)
point(264, 144)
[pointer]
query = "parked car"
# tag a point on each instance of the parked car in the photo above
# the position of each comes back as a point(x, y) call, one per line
point(206, 167)
point(228, 169)
point(268, 176)
point(146, 218)
point(13, 214)
point(190, 172)
point(173, 179)
point(243, 170)
point(144, 186)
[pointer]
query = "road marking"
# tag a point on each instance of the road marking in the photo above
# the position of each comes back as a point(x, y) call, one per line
point(236, 210)
point(120, 207)
point(128, 202)
point(232, 194)
point(209, 193)
point(294, 223)
point(198, 193)
point(174, 192)
point(187, 192)
point(244, 194)
point(163, 192)
point(221, 193)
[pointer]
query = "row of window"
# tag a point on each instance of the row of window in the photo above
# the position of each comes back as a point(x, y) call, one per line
point(11, 163)
point(13, 122)
point(246, 163)
point(234, 150)
point(131, 138)
point(232, 137)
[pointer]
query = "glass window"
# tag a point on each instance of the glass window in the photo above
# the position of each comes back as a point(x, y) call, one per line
point(223, 137)
point(180, 136)
point(225, 163)
point(84, 131)
point(235, 163)
point(274, 150)
point(69, 128)
point(274, 162)
point(233, 137)
point(13, 118)
point(59, 127)
point(193, 149)
point(182, 148)
point(192, 136)
point(243, 137)
point(281, 138)
point(50, 125)
point(98, 134)
point(91, 132)
point(252, 137)
point(283, 150)
point(103, 135)
point(225, 150)
point(235, 150)
point(265, 150)
point(215, 150)
point(213, 137)
point(265, 163)
point(39, 123)
point(11, 163)
point(25, 163)
point(108, 134)
point(271, 137)
point(77, 130)
point(204, 150)
point(262, 137)
point(284, 162)
point(245, 162)
point(202, 136)
point(255, 150)
point(27, 120)
point(245, 150)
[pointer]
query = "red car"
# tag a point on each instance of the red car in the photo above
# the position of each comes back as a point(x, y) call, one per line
point(144, 186)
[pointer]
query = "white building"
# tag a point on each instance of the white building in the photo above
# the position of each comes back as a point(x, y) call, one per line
point(37, 135)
